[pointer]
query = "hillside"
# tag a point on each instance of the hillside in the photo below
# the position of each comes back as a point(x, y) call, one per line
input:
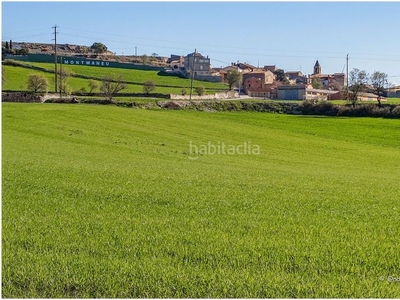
point(62, 49)
point(81, 50)
point(16, 74)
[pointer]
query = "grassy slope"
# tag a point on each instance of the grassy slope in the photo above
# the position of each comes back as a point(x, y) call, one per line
point(105, 202)
point(131, 75)
point(17, 78)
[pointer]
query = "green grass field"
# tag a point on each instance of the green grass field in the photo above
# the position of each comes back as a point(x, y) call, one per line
point(101, 201)
point(17, 78)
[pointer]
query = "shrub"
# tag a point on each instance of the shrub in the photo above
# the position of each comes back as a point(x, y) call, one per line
point(12, 62)
point(318, 108)
point(377, 111)
point(148, 86)
point(396, 112)
point(200, 90)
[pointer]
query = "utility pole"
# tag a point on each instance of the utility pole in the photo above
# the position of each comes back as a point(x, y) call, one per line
point(191, 80)
point(347, 76)
point(347, 69)
point(60, 77)
point(55, 58)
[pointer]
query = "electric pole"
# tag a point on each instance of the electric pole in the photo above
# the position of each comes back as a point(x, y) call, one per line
point(347, 69)
point(61, 87)
point(347, 76)
point(55, 58)
point(191, 80)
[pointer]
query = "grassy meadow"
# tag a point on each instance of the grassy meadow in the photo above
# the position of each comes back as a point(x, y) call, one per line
point(17, 78)
point(109, 202)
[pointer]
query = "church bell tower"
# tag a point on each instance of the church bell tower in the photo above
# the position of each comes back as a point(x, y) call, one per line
point(317, 68)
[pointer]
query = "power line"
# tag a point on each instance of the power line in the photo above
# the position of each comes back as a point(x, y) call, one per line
point(27, 36)
point(235, 47)
point(260, 51)
point(25, 30)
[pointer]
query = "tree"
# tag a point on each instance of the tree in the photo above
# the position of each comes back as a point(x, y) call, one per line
point(378, 81)
point(63, 75)
point(111, 85)
point(281, 76)
point(148, 86)
point(233, 77)
point(98, 48)
point(316, 83)
point(37, 83)
point(200, 90)
point(7, 46)
point(357, 84)
point(145, 59)
point(93, 85)
point(82, 49)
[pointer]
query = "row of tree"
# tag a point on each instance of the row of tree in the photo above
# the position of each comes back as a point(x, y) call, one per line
point(360, 81)
point(109, 86)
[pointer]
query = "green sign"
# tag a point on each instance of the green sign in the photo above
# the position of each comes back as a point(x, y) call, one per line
point(84, 62)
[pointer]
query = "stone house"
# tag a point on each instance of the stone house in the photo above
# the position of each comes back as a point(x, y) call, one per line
point(176, 62)
point(197, 63)
point(240, 67)
point(296, 77)
point(260, 83)
point(271, 68)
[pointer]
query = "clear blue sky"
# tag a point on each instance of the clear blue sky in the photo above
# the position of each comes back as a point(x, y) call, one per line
point(291, 35)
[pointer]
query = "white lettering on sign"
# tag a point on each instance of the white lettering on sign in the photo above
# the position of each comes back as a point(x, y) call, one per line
point(86, 62)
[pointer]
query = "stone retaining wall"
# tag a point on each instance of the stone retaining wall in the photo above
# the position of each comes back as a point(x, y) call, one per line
point(36, 98)
point(217, 96)
point(21, 97)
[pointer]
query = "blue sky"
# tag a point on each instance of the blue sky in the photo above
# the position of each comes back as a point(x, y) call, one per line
point(290, 35)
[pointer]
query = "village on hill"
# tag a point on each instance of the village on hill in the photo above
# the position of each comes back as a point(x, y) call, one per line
point(268, 82)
